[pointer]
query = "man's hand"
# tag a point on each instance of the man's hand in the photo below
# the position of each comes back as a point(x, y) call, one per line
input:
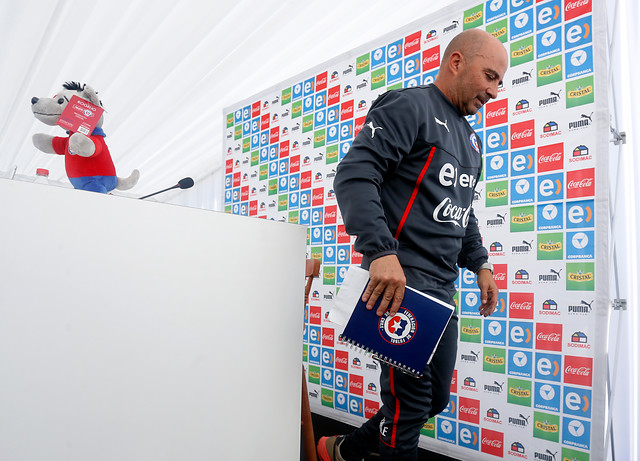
point(488, 292)
point(388, 281)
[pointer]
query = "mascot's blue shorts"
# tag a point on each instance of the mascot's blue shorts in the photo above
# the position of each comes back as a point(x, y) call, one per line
point(102, 184)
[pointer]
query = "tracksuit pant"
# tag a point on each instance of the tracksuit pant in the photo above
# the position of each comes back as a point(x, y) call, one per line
point(407, 403)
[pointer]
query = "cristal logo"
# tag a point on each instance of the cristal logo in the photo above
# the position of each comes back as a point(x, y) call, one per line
point(491, 442)
point(473, 18)
point(578, 371)
point(552, 337)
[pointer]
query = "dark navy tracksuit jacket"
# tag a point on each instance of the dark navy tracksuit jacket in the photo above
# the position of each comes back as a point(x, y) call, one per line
point(406, 187)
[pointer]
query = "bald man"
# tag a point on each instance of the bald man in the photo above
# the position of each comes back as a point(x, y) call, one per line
point(405, 189)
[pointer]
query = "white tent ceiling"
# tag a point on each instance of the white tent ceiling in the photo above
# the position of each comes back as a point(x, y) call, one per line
point(165, 70)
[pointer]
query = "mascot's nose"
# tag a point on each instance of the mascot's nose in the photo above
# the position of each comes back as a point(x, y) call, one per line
point(34, 100)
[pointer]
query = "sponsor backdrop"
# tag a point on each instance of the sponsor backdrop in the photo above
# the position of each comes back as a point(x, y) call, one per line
point(530, 380)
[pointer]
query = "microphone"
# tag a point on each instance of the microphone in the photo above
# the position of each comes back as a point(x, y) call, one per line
point(184, 183)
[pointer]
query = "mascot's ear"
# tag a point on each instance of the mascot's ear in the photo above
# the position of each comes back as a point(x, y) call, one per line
point(91, 95)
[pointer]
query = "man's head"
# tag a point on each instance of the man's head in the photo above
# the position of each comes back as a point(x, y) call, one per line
point(472, 68)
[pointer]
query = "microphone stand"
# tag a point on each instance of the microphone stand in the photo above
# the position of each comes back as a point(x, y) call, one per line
point(184, 183)
point(159, 192)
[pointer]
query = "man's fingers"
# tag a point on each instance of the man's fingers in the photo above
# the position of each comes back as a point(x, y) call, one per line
point(373, 298)
point(386, 284)
point(384, 303)
point(390, 297)
point(397, 300)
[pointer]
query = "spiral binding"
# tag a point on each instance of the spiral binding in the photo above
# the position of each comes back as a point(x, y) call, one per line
point(354, 345)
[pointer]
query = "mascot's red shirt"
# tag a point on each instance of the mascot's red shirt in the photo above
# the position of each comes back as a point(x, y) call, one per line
point(99, 164)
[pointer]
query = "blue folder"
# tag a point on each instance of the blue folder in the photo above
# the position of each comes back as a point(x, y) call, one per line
point(406, 340)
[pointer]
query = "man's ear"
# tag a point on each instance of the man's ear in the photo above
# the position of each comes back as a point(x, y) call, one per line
point(456, 62)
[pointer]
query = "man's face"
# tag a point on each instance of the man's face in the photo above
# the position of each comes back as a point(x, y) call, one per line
point(479, 77)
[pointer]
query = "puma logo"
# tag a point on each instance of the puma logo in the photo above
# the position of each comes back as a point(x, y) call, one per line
point(444, 124)
point(373, 128)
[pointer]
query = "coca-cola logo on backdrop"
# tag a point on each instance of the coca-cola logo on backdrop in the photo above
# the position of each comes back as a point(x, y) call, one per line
point(549, 337)
point(581, 183)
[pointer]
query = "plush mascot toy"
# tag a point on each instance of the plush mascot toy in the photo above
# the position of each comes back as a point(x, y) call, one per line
point(87, 159)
